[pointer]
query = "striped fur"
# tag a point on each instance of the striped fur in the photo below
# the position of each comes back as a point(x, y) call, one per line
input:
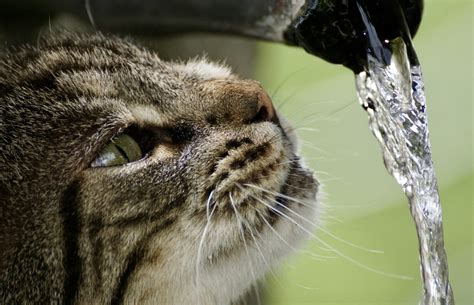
point(72, 234)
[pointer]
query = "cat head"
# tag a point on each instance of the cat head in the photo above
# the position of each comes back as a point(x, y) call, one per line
point(132, 178)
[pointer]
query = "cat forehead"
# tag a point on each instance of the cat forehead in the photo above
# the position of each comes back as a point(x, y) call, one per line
point(98, 71)
point(202, 69)
point(71, 52)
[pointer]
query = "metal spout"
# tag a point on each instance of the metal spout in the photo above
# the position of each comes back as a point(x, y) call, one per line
point(261, 19)
point(338, 30)
point(330, 29)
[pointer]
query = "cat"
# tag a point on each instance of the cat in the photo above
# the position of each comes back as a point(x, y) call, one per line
point(125, 179)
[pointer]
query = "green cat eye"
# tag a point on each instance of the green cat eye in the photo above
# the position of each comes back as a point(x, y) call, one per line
point(120, 150)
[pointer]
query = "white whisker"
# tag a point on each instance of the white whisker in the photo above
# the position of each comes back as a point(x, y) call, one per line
point(315, 256)
point(208, 204)
point(287, 99)
point(203, 237)
point(310, 222)
point(89, 13)
point(313, 147)
point(320, 228)
point(286, 79)
point(279, 194)
point(269, 267)
point(239, 224)
point(342, 255)
point(308, 129)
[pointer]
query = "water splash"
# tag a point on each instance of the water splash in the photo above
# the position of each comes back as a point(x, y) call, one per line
point(393, 96)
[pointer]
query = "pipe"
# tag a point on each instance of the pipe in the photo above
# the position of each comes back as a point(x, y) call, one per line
point(326, 28)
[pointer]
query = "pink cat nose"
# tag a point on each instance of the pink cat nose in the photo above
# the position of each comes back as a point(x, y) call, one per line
point(265, 109)
point(238, 101)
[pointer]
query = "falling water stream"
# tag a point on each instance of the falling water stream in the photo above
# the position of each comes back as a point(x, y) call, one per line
point(392, 93)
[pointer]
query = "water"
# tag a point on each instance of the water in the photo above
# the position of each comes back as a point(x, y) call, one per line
point(393, 96)
point(373, 39)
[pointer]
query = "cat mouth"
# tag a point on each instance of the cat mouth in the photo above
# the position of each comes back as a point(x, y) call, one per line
point(298, 189)
point(281, 204)
point(260, 184)
point(269, 190)
point(263, 176)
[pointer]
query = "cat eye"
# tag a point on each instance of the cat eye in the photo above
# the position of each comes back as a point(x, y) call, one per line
point(120, 150)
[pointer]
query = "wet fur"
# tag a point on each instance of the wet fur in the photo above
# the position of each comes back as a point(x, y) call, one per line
point(130, 234)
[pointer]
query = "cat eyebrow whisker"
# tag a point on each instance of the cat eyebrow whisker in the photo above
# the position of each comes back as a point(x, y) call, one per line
point(240, 223)
point(203, 237)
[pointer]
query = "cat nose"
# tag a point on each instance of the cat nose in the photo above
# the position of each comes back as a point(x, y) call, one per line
point(265, 110)
point(240, 101)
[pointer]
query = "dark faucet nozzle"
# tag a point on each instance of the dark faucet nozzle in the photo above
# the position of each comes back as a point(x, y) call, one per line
point(339, 31)
point(331, 29)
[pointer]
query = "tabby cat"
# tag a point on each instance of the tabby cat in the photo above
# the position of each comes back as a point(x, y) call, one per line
point(125, 179)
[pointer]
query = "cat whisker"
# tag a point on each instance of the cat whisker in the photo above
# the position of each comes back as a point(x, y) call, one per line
point(279, 194)
point(331, 179)
point(292, 220)
point(319, 116)
point(339, 253)
point(89, 13)
point(269, 266)
point(313, 147)
point(294, 187)
point(208, 204)
point(286, 100)
point(303, 128)
point(203, 236)
point(312, 115)
point(273, 139)
point(297, 161)
point(310, 222)
point(336, 206)
point(295, 175)
point(285, 80)
point(334, 218)
point(272, 208)
point(240, 224)
point(272, 229)
point(315, 256)
point(309, 121)
point(320, 228)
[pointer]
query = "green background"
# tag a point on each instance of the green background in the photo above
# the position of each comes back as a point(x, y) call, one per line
point(363, 203)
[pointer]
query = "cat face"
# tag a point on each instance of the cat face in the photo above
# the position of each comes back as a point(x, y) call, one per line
point(150, 178)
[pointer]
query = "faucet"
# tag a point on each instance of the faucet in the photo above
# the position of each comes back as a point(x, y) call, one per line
point(330, 29)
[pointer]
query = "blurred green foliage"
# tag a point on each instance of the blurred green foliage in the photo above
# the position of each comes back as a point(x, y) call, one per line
point(365, 206)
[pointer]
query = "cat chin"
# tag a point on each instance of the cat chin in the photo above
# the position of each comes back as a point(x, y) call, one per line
point(226, 277)
point(230, 278)
point(236, 273)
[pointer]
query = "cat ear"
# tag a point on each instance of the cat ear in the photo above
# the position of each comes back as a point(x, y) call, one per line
point(202, 69)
